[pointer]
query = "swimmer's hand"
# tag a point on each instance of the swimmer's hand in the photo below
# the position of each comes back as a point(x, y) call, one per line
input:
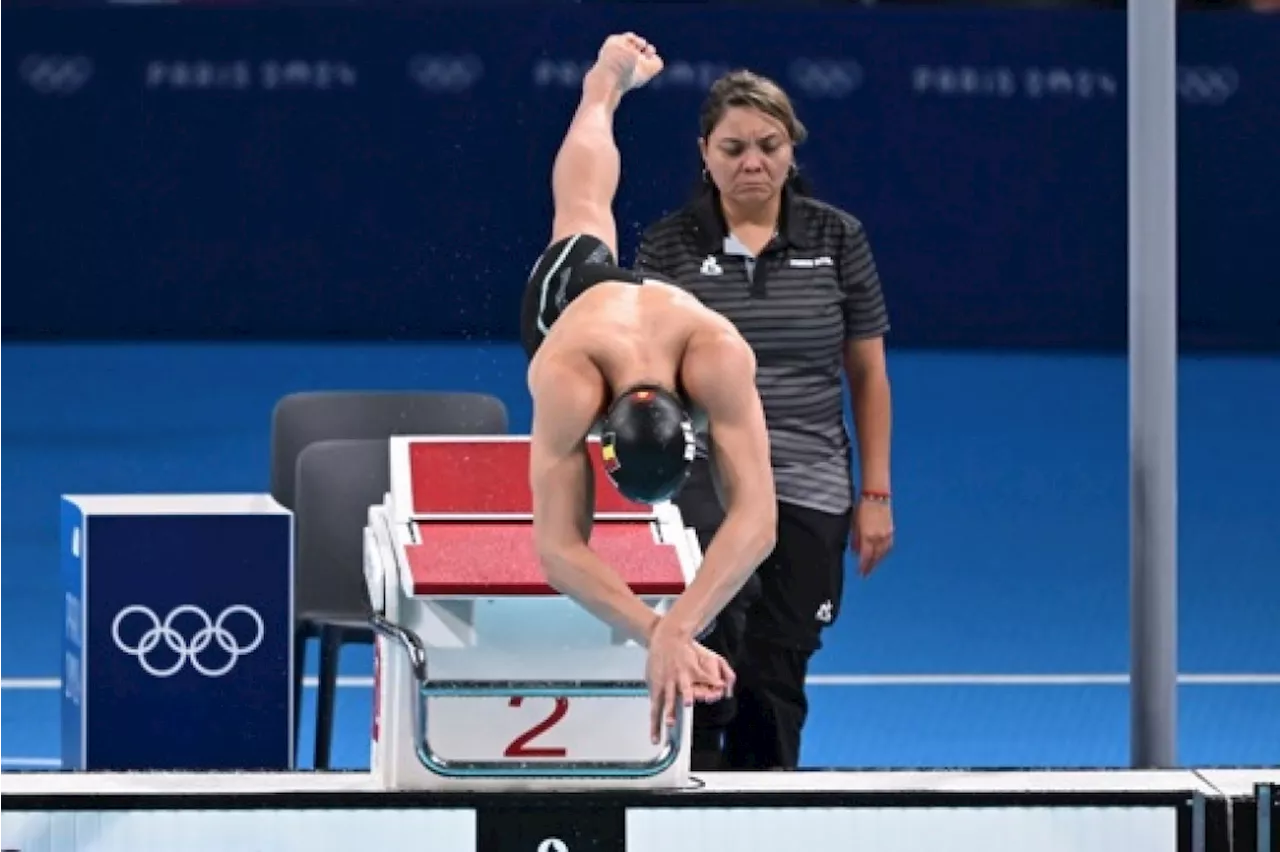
point(717, 677)
point(629, 61)
point(680, 672)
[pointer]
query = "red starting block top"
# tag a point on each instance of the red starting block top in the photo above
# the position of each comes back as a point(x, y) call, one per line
point(496, 558)
point(468, 476)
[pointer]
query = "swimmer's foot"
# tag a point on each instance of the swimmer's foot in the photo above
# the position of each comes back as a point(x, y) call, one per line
point(625, 62)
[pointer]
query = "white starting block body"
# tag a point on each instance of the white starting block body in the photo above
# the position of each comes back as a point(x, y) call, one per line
point(485, 676)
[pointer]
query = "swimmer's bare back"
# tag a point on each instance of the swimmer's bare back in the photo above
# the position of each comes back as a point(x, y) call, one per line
point(634, 334)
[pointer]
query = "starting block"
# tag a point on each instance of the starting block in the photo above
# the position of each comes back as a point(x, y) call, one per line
point(484, 675)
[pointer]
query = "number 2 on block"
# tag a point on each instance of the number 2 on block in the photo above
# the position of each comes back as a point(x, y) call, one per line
point(520, 745)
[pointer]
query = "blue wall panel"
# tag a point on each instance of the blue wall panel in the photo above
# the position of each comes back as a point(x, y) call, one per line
point(383, 173)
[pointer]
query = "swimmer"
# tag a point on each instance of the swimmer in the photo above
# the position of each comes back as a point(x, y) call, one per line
point(639, 359)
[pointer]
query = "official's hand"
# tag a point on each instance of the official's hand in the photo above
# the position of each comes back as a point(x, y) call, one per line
point(680, 672)
point(872, 534)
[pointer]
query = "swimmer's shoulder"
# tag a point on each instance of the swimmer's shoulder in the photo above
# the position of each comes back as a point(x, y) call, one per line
point(717, 360)
point(715, 338)
point(716, 334)
point(554, 364)
point(567, 382)
point(673, 293)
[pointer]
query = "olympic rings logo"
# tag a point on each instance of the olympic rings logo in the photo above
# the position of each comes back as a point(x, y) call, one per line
point(188, 650)
point(1206, 85)
point(56, 75)
point(440, 73)
point(826, 78)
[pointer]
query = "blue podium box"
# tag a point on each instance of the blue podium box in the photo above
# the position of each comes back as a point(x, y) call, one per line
point(178, 647)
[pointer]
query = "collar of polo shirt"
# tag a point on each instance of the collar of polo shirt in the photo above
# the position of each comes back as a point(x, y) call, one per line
point(712, 228)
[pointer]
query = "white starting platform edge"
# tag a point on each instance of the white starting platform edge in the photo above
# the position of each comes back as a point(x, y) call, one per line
point(886, 811)
point(485, 677)
point(1236, 783)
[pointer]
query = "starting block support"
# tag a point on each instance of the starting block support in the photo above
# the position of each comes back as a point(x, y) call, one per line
point(485, 676)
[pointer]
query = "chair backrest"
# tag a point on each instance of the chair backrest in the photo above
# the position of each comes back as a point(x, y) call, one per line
point(301, 419)
point(337, 482)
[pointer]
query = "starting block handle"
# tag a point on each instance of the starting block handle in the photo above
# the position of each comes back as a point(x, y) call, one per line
point(408, 640)
point(549, 769)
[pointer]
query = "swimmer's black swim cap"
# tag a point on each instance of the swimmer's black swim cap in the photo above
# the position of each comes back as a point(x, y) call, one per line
point(647, 443)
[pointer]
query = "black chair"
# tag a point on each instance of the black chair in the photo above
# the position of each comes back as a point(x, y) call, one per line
point(330, 602)
point(302, 418)
point(336, 484)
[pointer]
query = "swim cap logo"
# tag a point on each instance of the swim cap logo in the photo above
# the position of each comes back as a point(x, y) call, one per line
point(608, 454)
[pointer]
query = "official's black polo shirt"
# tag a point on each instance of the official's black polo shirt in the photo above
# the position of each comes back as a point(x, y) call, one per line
point(813, 288)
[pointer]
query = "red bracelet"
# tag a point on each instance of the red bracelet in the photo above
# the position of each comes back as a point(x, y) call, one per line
point(877, 496)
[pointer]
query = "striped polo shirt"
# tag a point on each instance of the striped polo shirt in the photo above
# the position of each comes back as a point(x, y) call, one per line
point(813, 288)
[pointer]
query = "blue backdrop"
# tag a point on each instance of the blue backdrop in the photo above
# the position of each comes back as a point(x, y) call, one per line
point(383, 173)
point(996, 635)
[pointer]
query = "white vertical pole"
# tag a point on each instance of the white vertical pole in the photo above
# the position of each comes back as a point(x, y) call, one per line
point(1152, 102)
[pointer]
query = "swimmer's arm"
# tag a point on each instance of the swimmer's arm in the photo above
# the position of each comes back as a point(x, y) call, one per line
point(725, 387)
point(563, 496)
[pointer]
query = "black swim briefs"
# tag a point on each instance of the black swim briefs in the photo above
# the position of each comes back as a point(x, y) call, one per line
point(566, 270)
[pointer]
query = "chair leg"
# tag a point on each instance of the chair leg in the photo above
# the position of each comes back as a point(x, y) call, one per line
point(300, 637)
point(330, 647)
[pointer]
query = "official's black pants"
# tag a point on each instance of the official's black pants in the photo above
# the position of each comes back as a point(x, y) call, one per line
point(768, 633)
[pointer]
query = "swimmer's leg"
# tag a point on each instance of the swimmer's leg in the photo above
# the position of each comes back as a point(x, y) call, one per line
point(588, 166)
